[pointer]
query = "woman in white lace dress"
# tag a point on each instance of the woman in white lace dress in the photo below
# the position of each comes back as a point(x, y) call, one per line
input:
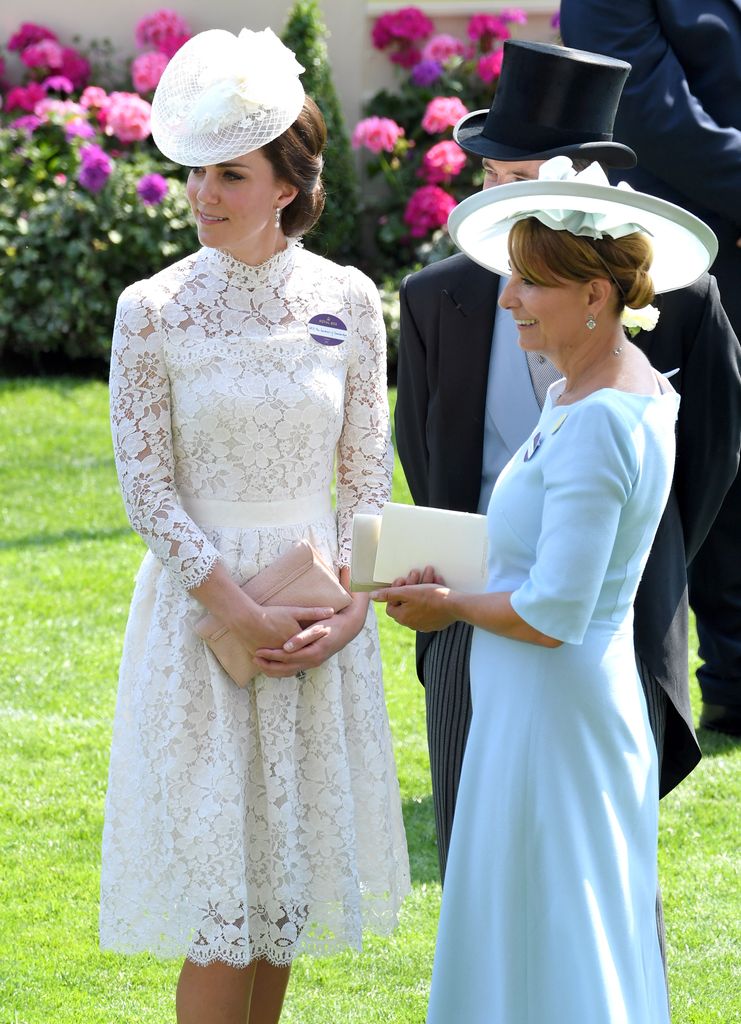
point(244, 826)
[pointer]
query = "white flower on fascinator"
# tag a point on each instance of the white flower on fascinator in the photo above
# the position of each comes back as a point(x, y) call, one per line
point(259, 73)
point(643, 319)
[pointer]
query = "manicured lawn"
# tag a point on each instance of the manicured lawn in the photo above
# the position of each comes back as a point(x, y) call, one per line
point(67, 562)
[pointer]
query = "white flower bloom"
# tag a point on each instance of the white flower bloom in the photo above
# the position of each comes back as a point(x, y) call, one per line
point(644, 319)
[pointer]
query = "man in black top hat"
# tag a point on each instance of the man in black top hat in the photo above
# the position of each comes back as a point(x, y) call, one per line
point(468, 397)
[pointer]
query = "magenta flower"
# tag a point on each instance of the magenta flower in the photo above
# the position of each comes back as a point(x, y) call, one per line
point(516, 15)
point(406, 25)
point(442, 162)
point(28, 123)
point(171, 46)
point(146, 70)
point(95, 168)
point(556, 20)
point(93, 98)
point(160, 28)
point(428, 209)
point(442, 47)
point(443, 112)
point(152, 189)
point(489, 66)
point(377, 134)
point(426, 72)
point(58, 83)
point(406, 56)
point(75, 67)
point(78, 128)
point(25, 97)
point(27, 35)
point(45, 54)
point(127, 116)
point(487, 25)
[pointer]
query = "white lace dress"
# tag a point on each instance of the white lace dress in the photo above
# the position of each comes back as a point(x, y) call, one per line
point(260, 822)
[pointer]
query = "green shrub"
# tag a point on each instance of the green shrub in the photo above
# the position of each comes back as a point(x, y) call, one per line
point(336, 235)
point(66, 253)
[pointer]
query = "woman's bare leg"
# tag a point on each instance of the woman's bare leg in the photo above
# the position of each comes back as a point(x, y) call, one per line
point(268, 992)
point(214, 994)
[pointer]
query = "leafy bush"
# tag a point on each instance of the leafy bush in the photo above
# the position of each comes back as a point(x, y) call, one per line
point(68, 252)
point(421, 171)
point(87, 204)
point(335, 235)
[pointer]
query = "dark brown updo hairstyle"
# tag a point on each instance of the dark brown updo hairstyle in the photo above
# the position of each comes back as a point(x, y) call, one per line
point(549, 258)
point(296, 158)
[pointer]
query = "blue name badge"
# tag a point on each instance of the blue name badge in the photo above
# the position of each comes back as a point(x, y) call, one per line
point(327, 329)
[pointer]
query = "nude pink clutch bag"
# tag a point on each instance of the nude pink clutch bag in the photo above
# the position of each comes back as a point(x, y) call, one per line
point(298, 578)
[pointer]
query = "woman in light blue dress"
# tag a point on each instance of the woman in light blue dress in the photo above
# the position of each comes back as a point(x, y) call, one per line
point(548, 911)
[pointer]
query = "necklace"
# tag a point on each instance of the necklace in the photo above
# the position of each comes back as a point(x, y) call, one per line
point(617, 351)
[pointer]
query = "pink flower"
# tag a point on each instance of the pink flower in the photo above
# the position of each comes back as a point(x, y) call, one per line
point(377, 134)
point(486, 27)
point(93, 98)
point(27, 35)
point(428, 208)
point(58, 83)
point(159, 28)
point(441, 47)
point(514, 14)
point(78, 128)
point(127, 116)
point(95, 168)
point(443, 112)
point(442, 162)
point(152, 189)
point(51, 109)
point(28, 123)
point(146, 70)
point(75, 67)
point(489, 66)
point(171, 46)
point(45, 54)
point(25, 97)
point(60, 179)
point(402, 26)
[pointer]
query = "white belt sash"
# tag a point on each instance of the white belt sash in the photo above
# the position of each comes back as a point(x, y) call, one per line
point(211, 512)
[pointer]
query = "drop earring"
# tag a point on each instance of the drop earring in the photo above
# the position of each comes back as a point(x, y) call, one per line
point(591, 323)
point(277, 216)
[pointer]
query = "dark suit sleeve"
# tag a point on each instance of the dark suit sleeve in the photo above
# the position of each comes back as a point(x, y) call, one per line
point(709, 425)
point(412, 402)
point(676, 139)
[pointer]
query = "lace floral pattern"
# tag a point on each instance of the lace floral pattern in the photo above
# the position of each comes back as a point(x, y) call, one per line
point(260, 822)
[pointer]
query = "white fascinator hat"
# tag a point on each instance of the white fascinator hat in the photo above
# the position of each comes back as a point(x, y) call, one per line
point(584, 203)
point(222, 96)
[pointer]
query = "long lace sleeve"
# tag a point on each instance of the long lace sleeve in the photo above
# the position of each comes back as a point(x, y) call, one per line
point(365, 456)
point(142, 442)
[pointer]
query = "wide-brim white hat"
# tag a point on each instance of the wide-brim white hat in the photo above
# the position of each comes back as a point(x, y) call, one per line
point(222, 96)
point(584, 203)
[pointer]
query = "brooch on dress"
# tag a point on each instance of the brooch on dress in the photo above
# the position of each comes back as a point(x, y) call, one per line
point(535, 442)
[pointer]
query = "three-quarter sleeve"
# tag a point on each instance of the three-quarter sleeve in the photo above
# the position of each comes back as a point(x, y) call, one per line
point(142, 442)
point(589, 469)
point(364, 453)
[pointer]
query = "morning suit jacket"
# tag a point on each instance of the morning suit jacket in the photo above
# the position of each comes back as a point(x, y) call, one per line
point(447, 318)
point(680, 109)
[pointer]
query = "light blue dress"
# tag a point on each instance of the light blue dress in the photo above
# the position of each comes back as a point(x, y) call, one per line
point(548, 911)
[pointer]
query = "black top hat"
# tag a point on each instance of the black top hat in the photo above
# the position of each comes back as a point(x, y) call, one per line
point(550, 101)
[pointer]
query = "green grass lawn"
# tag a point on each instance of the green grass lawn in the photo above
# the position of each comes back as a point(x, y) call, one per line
point(67, 564)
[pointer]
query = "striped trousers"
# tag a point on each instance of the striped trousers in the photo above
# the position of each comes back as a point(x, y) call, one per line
point(448, 706)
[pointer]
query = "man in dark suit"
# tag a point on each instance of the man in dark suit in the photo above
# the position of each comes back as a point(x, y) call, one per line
point(681, 112)
point(467, 398)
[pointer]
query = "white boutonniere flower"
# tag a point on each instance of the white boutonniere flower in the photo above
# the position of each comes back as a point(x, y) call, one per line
point(635, 320)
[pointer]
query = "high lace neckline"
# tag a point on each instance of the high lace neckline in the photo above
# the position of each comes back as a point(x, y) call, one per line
point(269, 272)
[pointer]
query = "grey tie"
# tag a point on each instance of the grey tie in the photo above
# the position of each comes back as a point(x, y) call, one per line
point(542, 374)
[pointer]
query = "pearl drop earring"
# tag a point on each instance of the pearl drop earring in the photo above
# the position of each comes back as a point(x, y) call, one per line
point(277, 216)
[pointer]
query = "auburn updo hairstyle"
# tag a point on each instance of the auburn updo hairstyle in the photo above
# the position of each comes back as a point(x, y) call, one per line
point(549, 258)
point(296, 158)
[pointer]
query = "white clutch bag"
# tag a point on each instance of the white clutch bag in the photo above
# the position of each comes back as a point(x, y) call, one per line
point(406, 537)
